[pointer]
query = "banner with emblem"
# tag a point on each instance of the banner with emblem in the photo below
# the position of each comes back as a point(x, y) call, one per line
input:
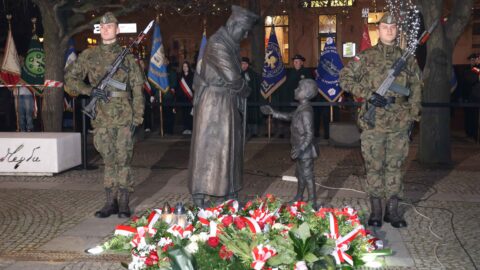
point(33, 70)
point(201, 51)
point(273, 74)
point(329, 66)
point(157, 70)
point(10, 70)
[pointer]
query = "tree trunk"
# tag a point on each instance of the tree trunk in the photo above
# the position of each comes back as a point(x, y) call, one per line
point(258, 38)
point(55, 47)
point(435, 146)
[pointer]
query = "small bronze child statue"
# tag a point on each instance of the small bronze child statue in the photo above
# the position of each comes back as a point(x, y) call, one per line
point(301, 129)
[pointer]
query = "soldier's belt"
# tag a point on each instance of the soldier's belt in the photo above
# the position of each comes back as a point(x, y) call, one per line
point(118, 94)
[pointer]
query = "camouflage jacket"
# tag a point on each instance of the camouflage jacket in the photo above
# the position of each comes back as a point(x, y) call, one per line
point(93, 62)
point(366, 72)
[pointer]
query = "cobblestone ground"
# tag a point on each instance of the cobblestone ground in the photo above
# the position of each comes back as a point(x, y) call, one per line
point(35, 210)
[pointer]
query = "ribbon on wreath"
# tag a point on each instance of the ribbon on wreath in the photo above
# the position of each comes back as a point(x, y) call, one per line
point(296, 207)
point(181, 232)
point(139, 237)
point(261, 254)
point(252, 224)
point(342, 242)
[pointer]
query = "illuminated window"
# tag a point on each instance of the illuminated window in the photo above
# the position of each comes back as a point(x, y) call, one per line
point(326, 3)
point(327, 27)
point(281, 31)
point(373, 18)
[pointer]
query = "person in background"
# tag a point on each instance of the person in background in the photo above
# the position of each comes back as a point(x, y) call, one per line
point(25, 109)
point(185, 97)
point(254, 118)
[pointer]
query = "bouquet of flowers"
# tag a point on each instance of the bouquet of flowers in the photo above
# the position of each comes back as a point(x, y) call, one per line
point(264, 234)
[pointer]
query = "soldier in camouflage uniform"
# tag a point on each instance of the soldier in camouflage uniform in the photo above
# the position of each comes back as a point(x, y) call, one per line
point(116, 119)
point(384, 146)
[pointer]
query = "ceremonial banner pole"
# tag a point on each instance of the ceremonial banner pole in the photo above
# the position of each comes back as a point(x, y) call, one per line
point(331, 114)
point(269, 119)
point(161, 112)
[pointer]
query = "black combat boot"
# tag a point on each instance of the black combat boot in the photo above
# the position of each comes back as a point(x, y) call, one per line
point(375, 218)
point(199, 200)
point(110, 207)
point(123, 200)
point(312, 192)
point(391, 213)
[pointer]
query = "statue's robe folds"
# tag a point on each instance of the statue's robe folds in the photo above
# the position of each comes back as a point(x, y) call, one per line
point(216, 153)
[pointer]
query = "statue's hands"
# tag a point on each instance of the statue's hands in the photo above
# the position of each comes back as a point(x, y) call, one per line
point(295, 153)
point(266, 109)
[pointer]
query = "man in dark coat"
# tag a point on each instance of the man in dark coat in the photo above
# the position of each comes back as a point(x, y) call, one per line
point(253, 113)
point(216, 153)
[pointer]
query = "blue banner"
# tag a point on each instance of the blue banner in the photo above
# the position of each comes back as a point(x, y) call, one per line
point(329, 66)
point(70, 55)
point(157, 70)
point(201, 51)
point(273, 74)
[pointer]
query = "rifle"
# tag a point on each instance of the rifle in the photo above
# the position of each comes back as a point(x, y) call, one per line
point(89, 109)
point(393, 72)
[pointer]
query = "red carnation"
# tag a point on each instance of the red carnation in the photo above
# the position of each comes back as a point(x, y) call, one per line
point(213, 241)
point(134, 218)
point(152, 258)
point(227, 221)
point(224, 253)
point(239, 223)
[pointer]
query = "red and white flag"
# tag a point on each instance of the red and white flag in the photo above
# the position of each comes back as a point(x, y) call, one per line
point(365, 43)
point(10, 70)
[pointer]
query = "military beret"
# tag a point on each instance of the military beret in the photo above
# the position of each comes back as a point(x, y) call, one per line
point(246, 60)
point(298, 56)
point(388, 18)
point(108, 17)
point(243, 16)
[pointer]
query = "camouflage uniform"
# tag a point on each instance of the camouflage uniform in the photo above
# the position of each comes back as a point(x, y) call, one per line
point(112, 125)
point(385, 146)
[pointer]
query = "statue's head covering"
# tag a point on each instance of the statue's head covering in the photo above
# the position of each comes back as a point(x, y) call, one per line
point(108, 17)
point(388, 18)
point(243, 16)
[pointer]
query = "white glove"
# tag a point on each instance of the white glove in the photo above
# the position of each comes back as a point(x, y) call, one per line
point(152, 99)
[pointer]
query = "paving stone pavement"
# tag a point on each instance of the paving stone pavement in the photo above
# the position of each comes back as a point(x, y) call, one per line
point(46, 222)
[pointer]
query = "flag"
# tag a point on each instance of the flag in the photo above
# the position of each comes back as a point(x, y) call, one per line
point(273, 74)
point(329, 66)
point(10, 70)
point(33, 69)
point(70, 55)
point(157, 71)
point(365, 43)
point(201, 51)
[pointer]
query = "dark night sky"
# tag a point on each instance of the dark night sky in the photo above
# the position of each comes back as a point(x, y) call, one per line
point(22, 12)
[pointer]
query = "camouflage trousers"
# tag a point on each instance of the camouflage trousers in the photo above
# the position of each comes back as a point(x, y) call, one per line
point(115, 145)
point(384, 154)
